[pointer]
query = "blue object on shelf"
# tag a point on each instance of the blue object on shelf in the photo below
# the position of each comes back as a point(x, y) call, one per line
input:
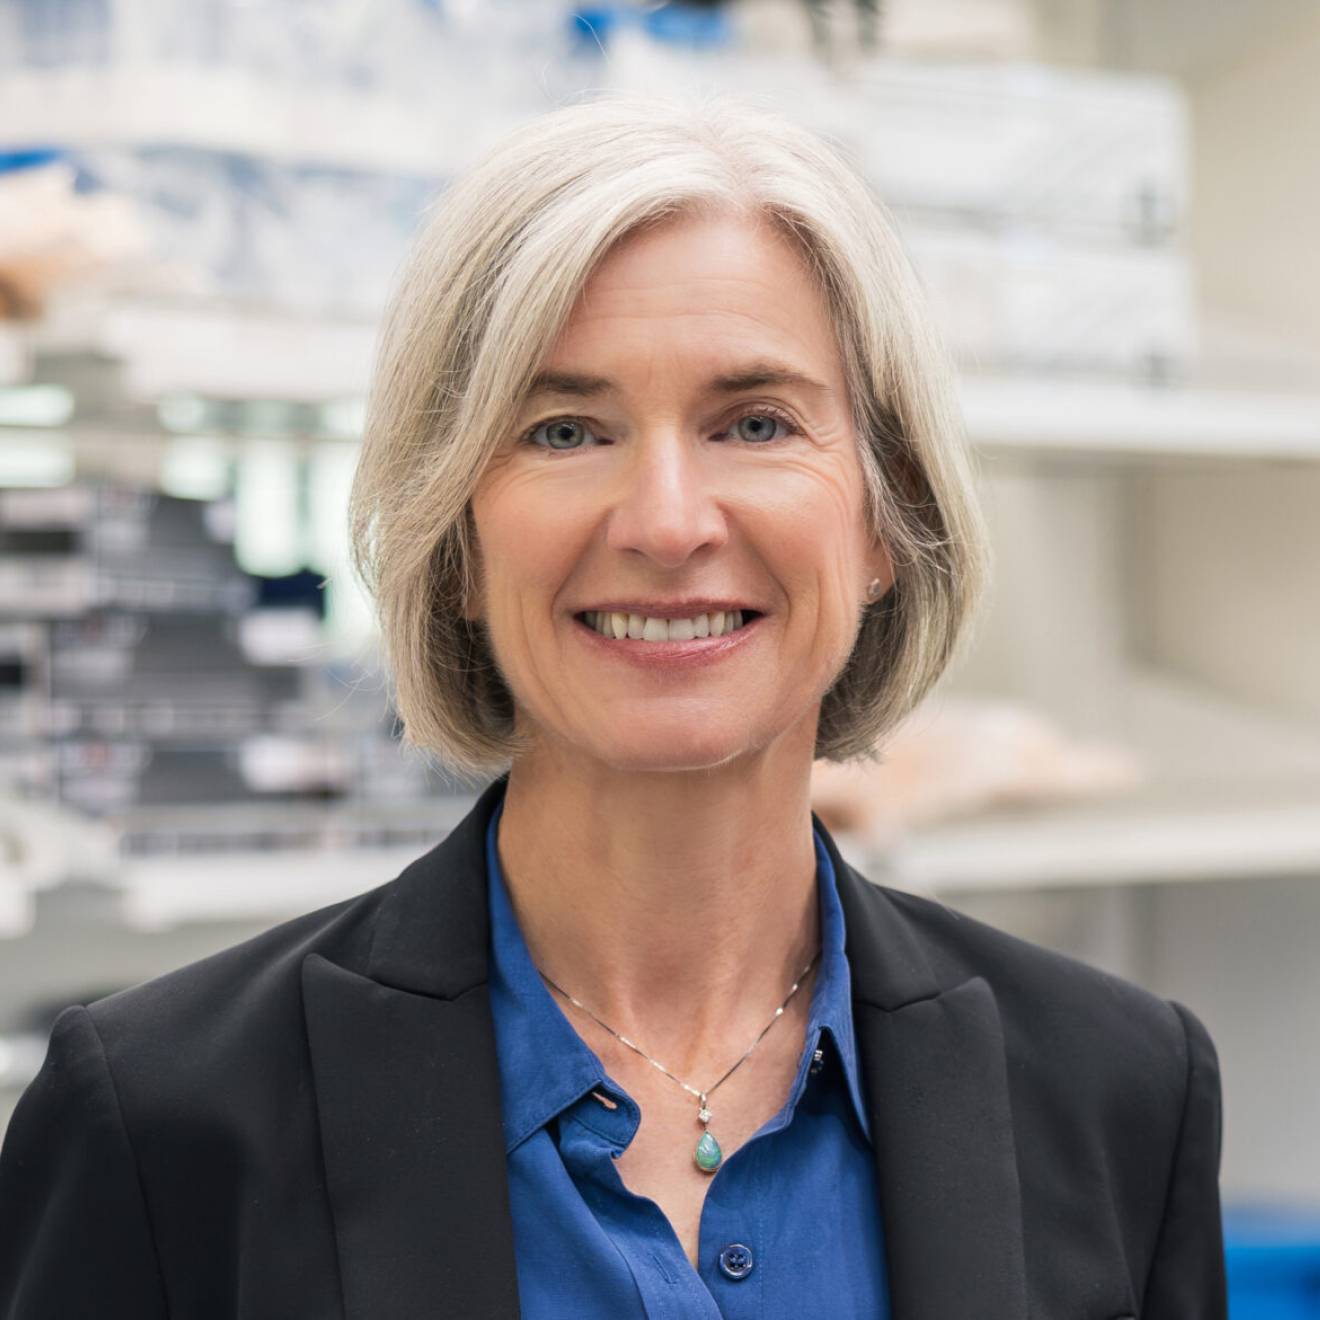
point(675, 24)
point(592, 25)
point(1273, 1260)
point(27, 158)
point(689, 25)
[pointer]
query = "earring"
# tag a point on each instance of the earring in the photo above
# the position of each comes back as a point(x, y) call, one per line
point(873, 590)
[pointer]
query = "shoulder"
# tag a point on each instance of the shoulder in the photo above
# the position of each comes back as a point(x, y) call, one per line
point(184, 1038)
point(1114, 1094)
point(1050, 989)
point(1113, 1091)
point(175, 1039)
point(1072, 1032)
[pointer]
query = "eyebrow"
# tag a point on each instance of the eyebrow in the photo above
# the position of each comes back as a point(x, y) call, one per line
point(752, 376)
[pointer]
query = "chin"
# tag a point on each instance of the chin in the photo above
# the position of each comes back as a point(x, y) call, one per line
point(672, 751)
point(704, 747)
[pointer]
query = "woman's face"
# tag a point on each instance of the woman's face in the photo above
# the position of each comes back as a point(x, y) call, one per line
point(687, 449)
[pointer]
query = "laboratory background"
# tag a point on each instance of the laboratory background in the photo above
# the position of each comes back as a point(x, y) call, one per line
point(1114, 209)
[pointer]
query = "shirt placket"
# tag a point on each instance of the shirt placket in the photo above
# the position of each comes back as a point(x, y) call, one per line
point(591, 1138)
point(733, 1236)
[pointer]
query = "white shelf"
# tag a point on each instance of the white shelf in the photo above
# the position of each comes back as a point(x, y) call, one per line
point(1125, 844)
point(159, 892)
point(234, 111)
point(1046, 416)
point(215, 349)
point(244, 886)
point(228, 353)
point(1196, 740)
point(1231, 792)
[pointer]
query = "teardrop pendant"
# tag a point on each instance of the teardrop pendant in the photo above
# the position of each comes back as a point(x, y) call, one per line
point(708, 1154)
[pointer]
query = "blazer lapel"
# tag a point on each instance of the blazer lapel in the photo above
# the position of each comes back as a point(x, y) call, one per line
point(936, 1081)
point(407, 1093)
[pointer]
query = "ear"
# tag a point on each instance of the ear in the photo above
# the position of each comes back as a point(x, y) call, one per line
point(879, 564)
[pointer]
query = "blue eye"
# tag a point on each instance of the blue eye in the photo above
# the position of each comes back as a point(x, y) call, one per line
point(560, 433)
point(759, 427)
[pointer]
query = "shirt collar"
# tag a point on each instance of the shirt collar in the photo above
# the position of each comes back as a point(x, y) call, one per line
point(545, 1066)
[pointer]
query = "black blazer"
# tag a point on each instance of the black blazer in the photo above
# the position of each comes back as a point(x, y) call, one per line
point(308, 1125)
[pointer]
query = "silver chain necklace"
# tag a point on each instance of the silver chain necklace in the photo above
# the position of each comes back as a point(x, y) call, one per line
point(708, 1154)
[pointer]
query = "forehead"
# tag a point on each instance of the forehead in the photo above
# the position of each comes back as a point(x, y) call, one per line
point(698, 290)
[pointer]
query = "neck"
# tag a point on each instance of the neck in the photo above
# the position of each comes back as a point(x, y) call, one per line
point(679, 907)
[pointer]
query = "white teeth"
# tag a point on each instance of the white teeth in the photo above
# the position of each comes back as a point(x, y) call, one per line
point(638, 627)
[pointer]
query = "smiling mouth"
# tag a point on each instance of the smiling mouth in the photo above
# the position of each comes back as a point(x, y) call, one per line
point(645, 628)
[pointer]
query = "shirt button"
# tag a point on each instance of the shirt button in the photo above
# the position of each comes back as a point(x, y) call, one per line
point(736, 1260)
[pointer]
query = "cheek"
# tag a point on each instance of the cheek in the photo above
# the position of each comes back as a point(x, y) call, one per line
point(812, 515)
point(529, 537)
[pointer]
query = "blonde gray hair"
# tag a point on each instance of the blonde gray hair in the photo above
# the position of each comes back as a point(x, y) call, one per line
point(492, 276)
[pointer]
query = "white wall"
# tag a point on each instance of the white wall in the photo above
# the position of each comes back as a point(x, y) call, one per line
point(1256, 185)
point(1230, 558)
point(1245, 956)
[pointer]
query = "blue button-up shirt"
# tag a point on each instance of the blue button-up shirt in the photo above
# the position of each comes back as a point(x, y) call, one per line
point(790, 1226)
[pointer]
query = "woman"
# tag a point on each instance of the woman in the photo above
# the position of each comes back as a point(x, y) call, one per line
point(662, 498)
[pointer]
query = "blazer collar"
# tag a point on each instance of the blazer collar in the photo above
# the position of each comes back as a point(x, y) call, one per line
point(407, 1088)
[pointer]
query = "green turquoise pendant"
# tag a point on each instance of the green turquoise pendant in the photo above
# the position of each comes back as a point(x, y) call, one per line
point(709, 1154)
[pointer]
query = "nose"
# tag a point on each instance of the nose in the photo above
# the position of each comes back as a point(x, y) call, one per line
point(666, 505)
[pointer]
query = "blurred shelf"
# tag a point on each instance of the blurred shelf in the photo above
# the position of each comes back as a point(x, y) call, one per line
point(231, 354)
point(1195, 739)
point(1118, 844)
point(214, 350)
point(1232, 792)
point(163, 892)
point(1040, 415)
point(274, 861)
point(232, 110)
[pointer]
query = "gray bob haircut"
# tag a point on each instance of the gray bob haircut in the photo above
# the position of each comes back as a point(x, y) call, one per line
point(493, 274)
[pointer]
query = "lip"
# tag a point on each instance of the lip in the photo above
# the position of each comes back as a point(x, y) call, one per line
point(669, 655)
point(688, 608)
